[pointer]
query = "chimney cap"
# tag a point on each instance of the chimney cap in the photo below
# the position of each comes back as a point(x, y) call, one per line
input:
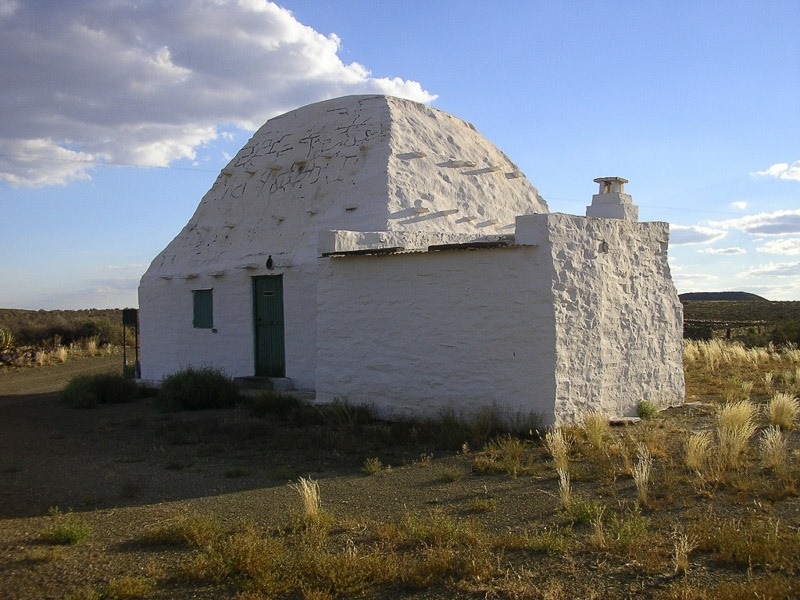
point(605, 179)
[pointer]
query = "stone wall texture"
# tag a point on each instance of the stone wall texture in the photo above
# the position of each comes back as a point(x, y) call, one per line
point(580, 315)
point(618, 318)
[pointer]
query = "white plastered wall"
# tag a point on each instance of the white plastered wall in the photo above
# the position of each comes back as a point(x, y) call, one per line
point(175, 344)
point(414, 333)
point(580, 315)
point(618, 317)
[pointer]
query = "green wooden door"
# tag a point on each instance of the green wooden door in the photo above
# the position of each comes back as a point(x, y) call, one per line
point(268, 315)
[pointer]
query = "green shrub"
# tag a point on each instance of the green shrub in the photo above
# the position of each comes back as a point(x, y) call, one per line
point(646, 409)
point(482, 504)
point(194, 530)
point(112, 388)
point(66, 528)
point(128, 588)
point(505, 454)
point(87, 391)
point(275, 404)
point(80, 392)
point(580, 510)
point(451, 475)
point(7, 341)
point(197, 389)
point(372, 466)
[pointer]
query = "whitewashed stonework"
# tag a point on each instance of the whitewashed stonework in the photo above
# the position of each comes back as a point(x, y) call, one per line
point(364, 205)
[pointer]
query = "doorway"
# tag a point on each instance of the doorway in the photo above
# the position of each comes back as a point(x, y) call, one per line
point(268, 326)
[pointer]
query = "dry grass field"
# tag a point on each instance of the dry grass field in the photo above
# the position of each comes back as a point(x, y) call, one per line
point(274, 499)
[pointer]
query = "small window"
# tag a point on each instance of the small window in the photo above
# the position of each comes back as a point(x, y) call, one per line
point(203, 309)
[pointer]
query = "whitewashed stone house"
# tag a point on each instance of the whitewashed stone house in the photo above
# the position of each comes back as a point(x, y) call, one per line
point(379, 250)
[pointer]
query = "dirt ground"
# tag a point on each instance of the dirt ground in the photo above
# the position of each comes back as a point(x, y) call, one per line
point(124, 468)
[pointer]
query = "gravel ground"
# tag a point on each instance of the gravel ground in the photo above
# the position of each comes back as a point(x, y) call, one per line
point(126, 468)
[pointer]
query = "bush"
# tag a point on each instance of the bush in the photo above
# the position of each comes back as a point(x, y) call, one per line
point(783, 410)
point(66, 528)
point(197, 389)
point(7, 341)
point(275, 404)
point(646, 409)
point(80, 392)
point(372, 466)
point(112, 388)
point(87, 391)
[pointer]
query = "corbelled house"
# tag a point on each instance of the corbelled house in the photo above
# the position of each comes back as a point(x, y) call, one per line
point(379, 250)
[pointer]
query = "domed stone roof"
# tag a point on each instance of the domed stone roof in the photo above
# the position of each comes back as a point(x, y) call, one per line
point(360, 163)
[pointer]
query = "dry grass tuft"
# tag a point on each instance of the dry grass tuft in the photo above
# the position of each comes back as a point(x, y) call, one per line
point(641, 473)
point(769, 379)
point(774, 450)
point(193, 530)
point(735, 427)
point(698, 452)
point(89, 346)
point(783, 410)
point(309, 493)
point(564, 488)
point(128, 588)
point(558, 446)
point(60, 354)
point(682, 548)
point(595, 426)
point(506, 454)
point(598, 536)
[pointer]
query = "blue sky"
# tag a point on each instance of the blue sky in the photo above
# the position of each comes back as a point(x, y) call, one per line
point(117, 117)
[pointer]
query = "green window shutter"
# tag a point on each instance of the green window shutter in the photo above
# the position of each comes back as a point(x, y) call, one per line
point(203, 309)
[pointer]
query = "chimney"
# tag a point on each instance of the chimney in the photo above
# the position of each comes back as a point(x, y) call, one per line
point(611, 202)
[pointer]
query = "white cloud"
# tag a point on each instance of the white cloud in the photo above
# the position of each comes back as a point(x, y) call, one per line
point(113, 284)
point(733, 250)
point(783, 291)
point(138, 268)
point(779, 222)
point(147, 83)
point(790, 246)
point(782, 171)
point(694, 234)
point(8, 7)
point(695, 277)
point(695, 282)
point(739, 205)
point(788, 269)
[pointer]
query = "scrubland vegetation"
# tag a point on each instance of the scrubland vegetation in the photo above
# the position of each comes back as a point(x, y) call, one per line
point(696, 502)
point(755, 323)
point(38, 338)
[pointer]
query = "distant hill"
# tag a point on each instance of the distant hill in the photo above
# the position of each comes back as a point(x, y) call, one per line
point(721, 296)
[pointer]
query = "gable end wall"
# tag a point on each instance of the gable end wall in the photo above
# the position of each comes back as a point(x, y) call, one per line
point(618, 318)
